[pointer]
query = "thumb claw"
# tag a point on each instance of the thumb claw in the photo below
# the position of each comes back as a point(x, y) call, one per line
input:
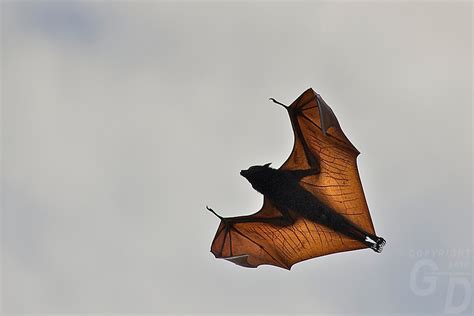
point(212, 211)
point(275, 101)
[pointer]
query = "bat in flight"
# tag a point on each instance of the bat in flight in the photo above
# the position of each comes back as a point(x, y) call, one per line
point(313, 204)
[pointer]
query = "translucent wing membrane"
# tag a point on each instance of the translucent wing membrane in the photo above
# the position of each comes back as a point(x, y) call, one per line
point(318, 137)
point(338, 185)
point(254, 244)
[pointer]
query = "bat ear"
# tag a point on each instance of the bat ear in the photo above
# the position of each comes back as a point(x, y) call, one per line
point(267, 165)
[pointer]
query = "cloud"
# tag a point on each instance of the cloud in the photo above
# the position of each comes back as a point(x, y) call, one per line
point(69, 22)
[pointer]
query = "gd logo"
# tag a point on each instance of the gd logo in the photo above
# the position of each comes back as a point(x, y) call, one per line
point(424, 278)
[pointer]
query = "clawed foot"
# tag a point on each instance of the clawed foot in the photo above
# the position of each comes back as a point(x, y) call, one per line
point(378, 246)
point(381, 241)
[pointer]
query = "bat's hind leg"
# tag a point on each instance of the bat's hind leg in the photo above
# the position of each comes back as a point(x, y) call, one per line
point(375, 243)
point(372, 241)
point(378, 244)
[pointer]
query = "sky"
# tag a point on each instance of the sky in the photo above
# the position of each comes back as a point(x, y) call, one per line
point(122, 120)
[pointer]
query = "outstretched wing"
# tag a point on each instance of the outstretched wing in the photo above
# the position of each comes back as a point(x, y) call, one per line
point(255, 243)
point(338, 185)
point(251, 244)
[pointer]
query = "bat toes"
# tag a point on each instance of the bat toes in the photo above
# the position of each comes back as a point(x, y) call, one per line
point(379, 244)
point(381, 241)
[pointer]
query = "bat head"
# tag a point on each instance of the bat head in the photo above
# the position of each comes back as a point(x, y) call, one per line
point(257, 175)
point(254, 170)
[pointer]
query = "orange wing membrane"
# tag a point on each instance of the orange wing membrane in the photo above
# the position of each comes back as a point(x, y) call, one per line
point(281, 237)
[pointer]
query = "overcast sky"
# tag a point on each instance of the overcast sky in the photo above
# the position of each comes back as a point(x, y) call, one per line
point(123, 120)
